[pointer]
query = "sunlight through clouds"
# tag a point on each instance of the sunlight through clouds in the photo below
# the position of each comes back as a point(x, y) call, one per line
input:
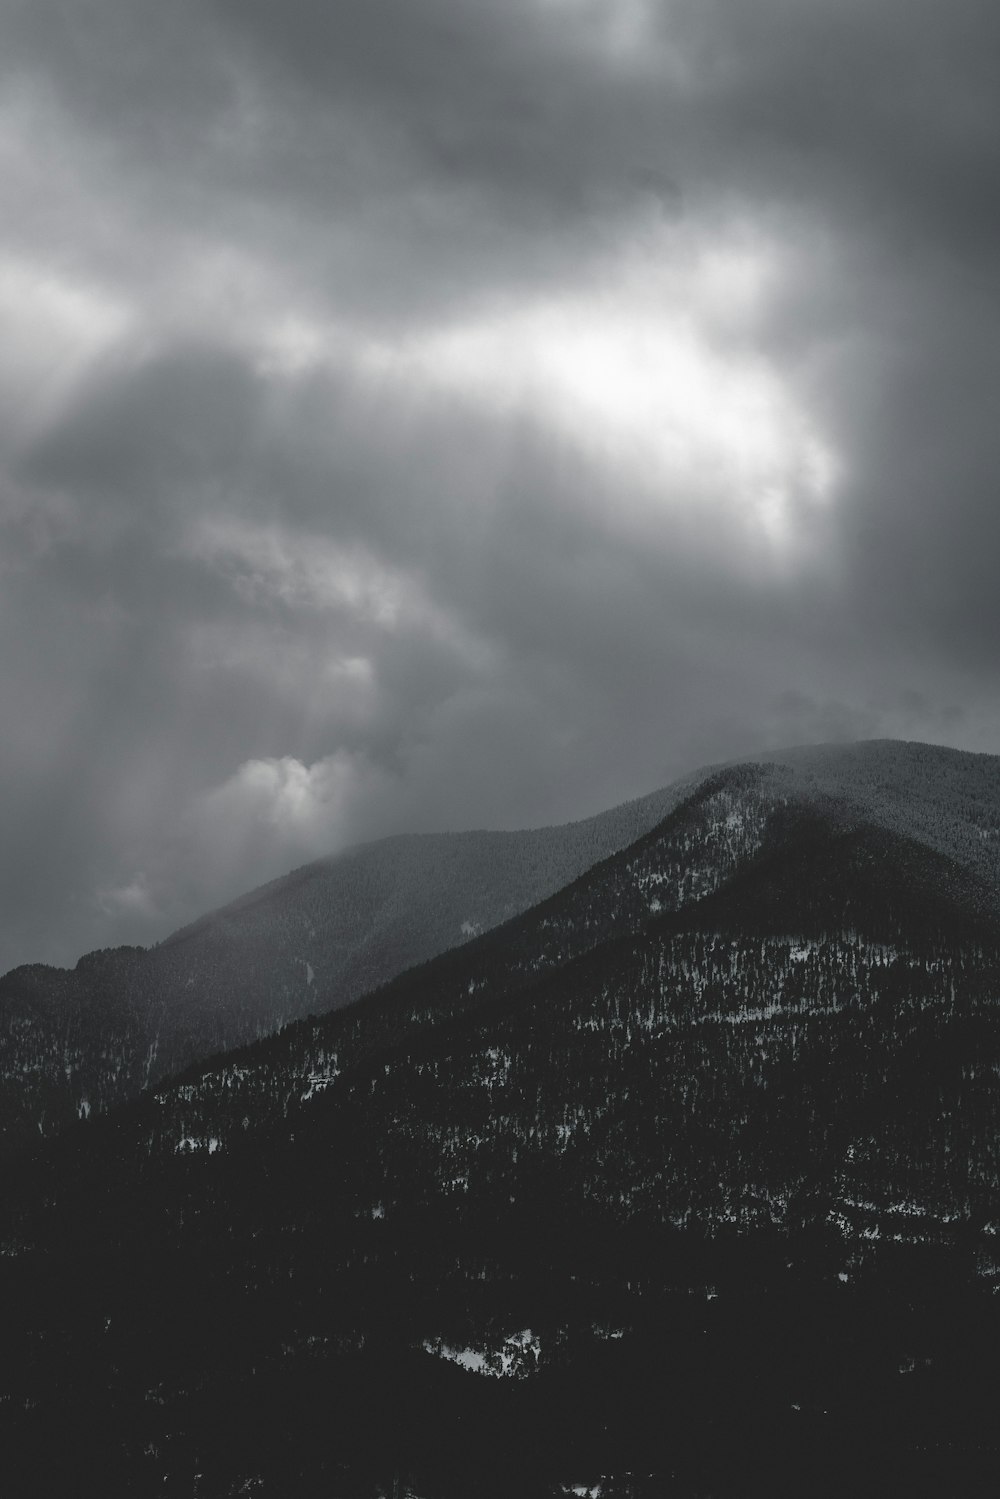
point(622, 30)
point(52, 329)
point(657, 374)
point(452, 385)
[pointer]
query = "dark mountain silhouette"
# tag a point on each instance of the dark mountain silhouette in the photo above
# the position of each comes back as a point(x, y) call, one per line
point(75, 1042)
point(700, 1156)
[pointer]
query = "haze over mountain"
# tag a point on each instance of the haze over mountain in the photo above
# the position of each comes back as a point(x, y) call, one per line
point(704, 1149)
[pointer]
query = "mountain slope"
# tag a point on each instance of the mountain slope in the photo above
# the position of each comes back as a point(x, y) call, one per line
point(81, 1040)
point(706, 1144)
point(77, 1041)
point(947, 799)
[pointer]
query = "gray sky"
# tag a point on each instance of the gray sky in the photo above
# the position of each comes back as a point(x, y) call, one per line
point(449, 414)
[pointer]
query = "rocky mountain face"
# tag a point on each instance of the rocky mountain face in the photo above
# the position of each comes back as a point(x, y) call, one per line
point(686, 1180)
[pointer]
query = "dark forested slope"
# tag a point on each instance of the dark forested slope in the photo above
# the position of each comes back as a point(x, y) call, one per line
point(705, 1147)
point(77, 1041)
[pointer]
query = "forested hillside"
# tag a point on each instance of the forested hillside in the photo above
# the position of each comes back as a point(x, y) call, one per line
point(75, 1042)
point(702, 1153)
point(78, 1041)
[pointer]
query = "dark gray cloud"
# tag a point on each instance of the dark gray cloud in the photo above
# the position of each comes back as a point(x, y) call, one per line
point(448, 415)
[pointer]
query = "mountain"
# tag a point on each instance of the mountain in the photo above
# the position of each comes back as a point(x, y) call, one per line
point(78, 1041)
point(703, 1150)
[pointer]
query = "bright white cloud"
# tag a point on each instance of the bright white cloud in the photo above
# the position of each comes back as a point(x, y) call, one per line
point(285, 794)
point(278, 810)
point(52, 329)
point(658, 372)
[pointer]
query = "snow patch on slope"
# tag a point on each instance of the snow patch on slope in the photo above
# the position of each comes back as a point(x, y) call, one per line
point(516, 1357)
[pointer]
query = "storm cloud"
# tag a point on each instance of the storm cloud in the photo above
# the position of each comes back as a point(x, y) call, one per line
point(446, 414)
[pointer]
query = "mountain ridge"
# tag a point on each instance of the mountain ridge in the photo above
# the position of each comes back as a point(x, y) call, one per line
point(703, 1148)
point(86, 1038)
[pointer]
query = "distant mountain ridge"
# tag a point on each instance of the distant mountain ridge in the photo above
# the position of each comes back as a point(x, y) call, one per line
point(82, 1040)
point(73, 1041)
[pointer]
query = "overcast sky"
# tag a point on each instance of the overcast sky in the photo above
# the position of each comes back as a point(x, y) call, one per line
point(422, 414)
